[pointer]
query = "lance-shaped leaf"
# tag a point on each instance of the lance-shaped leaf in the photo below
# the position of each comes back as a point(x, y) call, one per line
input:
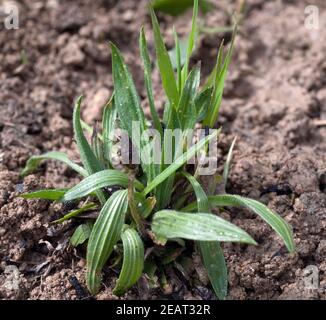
point(148, 81)
point(133, 261)
point(154, 168)
point(105, 234)
point(90, 130)
point(34, 162)
point(163, 192)
point(76, 212)
point(50, 194)
point(98, 147)
point(81, 234)
point(175, 8)
point(186, 109)
point(191, 41)
point(211, 251)
point(129, 109)
point(202, 200)
point(202, 103)
point(164, 64)
point(228, 162)
point(280, 226)
point(88, 158)
point(220, 77)
point(179, 162)
point(108, 125)
point(176, 59)
point(126, 98)
point(145, 205)
point(215, 265)
point(171, 224)
point(96, 181)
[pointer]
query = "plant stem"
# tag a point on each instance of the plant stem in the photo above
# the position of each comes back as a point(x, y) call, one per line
point(133, 208)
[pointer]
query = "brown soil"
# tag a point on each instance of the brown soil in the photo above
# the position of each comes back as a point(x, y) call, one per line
point(274, 98)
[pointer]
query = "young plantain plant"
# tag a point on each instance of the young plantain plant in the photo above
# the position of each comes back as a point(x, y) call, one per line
point(140, 206)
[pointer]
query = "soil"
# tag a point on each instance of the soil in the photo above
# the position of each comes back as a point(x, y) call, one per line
point(274, 100)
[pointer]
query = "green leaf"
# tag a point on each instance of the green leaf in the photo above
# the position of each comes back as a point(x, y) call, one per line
point(280, 226)
point(176, 56)
point(163, 192)
point(175, 8)
point(214, 262)
point(173, 121)
point(126, 98)
point(191, 41)
point(90, 130)
point(109, 119)
point(133, 261)
point(202, 103)
point(34, 162)
point(145, 205)
point(76, 212)
point(88, 158)
point(81, 234)
point(211, 79)
point(179, 162)
point(221, 73)
point(105, 234)
point(154, 168)
point(228, 162)
point(98, 147)
point(129, 109)
point(211, 252)
point(186, 108)
point(164, 189)
point(202, 200)
point(171, 224)
point(164, 63)
point(105, 178)
point(54, 195)
point(148, 81)
point(166, 113)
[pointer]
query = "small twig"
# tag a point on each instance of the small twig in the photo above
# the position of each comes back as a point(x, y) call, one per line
point(320, 123)
point(80, 290)
point(215, 30)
